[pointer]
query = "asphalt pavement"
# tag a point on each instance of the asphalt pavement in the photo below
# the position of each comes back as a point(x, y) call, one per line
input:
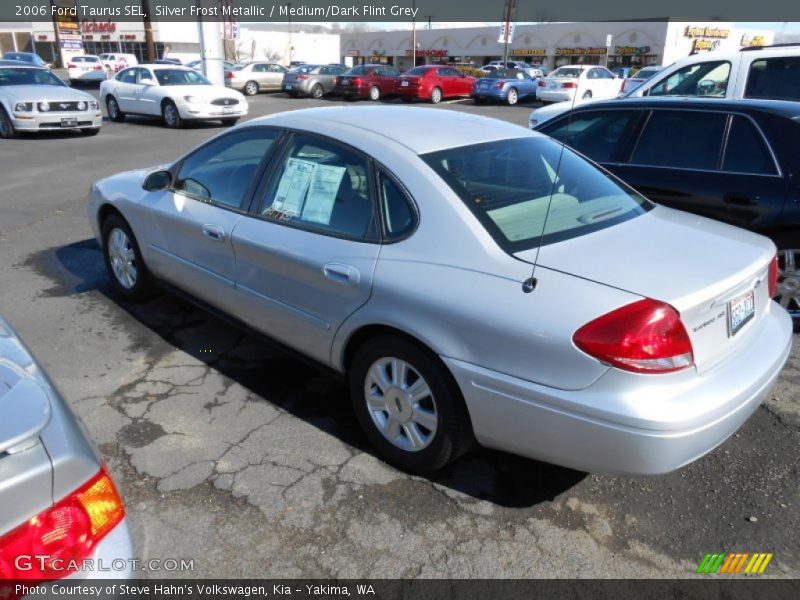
point(252, 464)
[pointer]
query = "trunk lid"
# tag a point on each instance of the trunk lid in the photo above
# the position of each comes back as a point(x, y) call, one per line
point(697, 265)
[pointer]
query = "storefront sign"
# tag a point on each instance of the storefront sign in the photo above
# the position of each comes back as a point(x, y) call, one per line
point(351, 53)
point(693, 31)
point(95, 27)
point(529, 52)
point(703, 45)
point(631, 50)
point(428, 53)
point(580, 51)
point(756, 40)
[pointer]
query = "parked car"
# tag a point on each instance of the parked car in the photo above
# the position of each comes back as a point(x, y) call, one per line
point(366, 81)
point(767, 72)
point(197, 65)
point(490, 68)
point(639, 77)
point(505, 85)
point(116, 61)
point(32, 99)
point(251, 78)
point(578, 81)
point(168, 61)
point(517, 65)
point(61, 511)
point(29, 58)
point(311, 80)
point(735, 161)
point(175, 94)
point(433, 83)
point(629, 353)
point(86, 69)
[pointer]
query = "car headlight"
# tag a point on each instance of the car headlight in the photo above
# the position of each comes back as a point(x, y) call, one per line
point(23, 107)
point(81, 105)
point(44, 106)
point(192, 99)
point(94, 105)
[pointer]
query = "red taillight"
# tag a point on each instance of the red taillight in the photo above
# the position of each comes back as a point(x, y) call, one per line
point(569, 84)
point(229, 75)
point(542, 83)
point(499, 84)
point(302, 77)
point(67, 531)
point(772, 279)
point(98, 67)
point(71, 66)
point(356, 81)
point(645, 337)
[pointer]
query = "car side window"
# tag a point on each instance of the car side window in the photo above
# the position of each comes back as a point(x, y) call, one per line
point(275, 68)
point(596, 134)
point(221, 171)
point(604, 74)
point(398, 215)
point(324, 71)
point(127, 76)
point(392, 72)
point(775, 78)
point(700, 79)
point(322, 186)
point(259, 68)
point(592, 74)
point(681, 139)
point(746, 151)
point(144, 74)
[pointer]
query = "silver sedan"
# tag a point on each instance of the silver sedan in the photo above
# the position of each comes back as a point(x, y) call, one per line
point(471, 280)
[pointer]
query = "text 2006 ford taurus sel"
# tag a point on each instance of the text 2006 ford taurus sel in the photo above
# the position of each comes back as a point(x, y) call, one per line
point(397, 246)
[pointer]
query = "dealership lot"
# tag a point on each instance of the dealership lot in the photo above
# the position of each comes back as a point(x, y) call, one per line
point(252, 464)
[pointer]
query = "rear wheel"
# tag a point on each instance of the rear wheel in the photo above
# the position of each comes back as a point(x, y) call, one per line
point(7, 130)
point(172, 118)
point(587, 94)
point(513, 97)
point(408, 405)
point(374, 93)
point(112, 108)
point(250, 88)
point(123, 260)
point(317, 92)
point(788, 292)
point(436, 95)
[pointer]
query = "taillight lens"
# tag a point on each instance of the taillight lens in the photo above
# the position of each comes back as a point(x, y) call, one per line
point(69, 530)
point(71, 66)
point(98, 67)
point(302, 77)
point(569, 84)
point(229, 75)
point(499, 84)
point(772, 278)
point(356, 82)
point(644, 337)
point(542, 84)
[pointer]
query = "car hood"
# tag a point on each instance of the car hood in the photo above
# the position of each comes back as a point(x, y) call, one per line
point(51, 93)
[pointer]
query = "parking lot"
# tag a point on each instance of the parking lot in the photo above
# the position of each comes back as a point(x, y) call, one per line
point(252, 463)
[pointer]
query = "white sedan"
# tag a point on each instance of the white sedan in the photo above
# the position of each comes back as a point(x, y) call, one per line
point(578, 82)
point(176, 94)
point(85, 69)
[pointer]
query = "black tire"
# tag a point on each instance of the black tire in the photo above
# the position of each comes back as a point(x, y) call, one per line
point(171, 115)
point(788, 241)
point(7, 129)
point(90, 131)
point(436, 95)
point(112, 108)
point(250, 88)
point(143, 286)
point(453, 435)
point(587, 94)
point(230, 122)
point(317, 92)
point(512, 97)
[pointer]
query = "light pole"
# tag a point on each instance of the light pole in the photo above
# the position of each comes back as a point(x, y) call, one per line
point(509, 18)
point(414, 35)
point(289, 26)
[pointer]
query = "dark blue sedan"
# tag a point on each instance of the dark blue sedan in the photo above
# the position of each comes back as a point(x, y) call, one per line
point(505, 85)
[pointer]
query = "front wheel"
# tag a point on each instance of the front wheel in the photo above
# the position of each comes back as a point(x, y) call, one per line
point(172, 118)
point(7, 129)
point(374, 93)
point(408, 405)
point(123, 260)
point(112, 108)
point(436, 95)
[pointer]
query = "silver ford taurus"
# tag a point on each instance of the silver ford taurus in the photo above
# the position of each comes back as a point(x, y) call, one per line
point(471, 279)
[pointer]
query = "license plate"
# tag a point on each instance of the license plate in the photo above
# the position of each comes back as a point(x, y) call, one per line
point(345, 82)
point(288, 87)
point(404, 83)
point(483, 86)
point(69, 122)
point(551, 85)
point(227, 110)
point(740, 311)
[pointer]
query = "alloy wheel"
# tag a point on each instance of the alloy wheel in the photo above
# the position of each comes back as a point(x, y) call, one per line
point(374, 93)
point(436, 95)
point(122, 257)
point(512, 96)
point(170, 115)
point(401, 404)
point(113, 109)
point(316, 92)
point(251, 89)
point(788, 291)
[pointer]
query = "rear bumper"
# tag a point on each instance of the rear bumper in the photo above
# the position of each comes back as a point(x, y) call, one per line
point(410, 92)
point(359, 92)
point(293, 87)
point(555, 95)
point(627, 423)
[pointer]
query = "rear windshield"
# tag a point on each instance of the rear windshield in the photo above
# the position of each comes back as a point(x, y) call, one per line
point(418, 71)
point(646, 73)
point(509, 184)
point(303, 69)
point(566, 72)
point(775, 78)
point(180, 77)
point(87, 59)
point(360, 70)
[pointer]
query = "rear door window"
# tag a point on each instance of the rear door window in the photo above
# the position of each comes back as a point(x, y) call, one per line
point(774, 78)
point(681, 139)
point(746, 151)
point(596, 134)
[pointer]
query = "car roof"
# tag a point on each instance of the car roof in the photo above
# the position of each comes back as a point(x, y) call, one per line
point(18, 64)
point(582, 67)
point(161, 67)
point(422, 130)
point(785, 108)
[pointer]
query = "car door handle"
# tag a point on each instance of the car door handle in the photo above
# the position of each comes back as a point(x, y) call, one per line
point(740, 200)
point(214, 232)
point(344, 274)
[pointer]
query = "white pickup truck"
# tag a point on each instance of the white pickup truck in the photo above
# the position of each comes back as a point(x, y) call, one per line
point(766, 72)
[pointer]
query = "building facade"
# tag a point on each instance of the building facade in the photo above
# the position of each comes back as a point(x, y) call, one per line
point(618, 44)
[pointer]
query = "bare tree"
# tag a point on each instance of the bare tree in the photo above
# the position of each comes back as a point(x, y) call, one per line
point(271, 55)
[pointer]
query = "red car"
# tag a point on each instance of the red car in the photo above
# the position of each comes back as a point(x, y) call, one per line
point(367, 81)
point(433, 82)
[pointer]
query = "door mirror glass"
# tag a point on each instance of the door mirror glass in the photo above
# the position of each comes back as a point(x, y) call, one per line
point(158, 181)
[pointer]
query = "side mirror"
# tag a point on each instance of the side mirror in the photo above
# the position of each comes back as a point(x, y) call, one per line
point(146, 81)
point(157, 181)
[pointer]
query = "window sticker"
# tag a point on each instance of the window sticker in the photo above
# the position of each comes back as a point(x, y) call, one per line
point(293, 187)
point(322, 191)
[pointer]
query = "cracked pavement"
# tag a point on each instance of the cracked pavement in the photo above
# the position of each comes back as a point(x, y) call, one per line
point(251, 463)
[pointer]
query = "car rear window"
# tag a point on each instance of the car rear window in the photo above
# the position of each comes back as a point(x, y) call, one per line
point(418, 71)
point(533, 188)
point(774, 78)
point(566, 72)
point(84, 59)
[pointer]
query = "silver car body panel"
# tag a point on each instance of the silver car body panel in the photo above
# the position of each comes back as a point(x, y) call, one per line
point(464, 298)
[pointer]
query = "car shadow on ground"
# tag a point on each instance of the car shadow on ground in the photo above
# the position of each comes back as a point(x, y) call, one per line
point(314, 396)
